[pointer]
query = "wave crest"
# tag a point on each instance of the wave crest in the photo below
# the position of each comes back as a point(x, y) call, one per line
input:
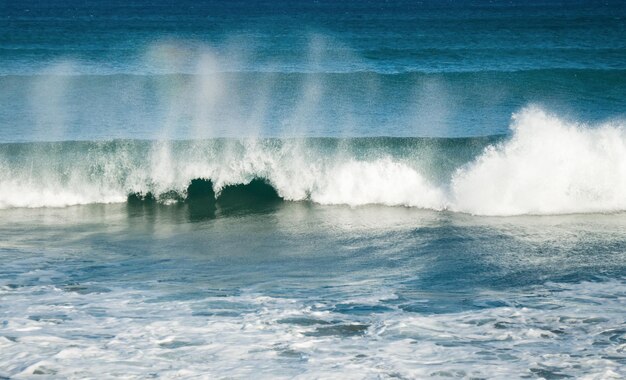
point(549, 166)
point(546, 166)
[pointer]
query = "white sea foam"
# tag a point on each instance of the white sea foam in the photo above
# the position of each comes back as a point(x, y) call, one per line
point(133, 334)
point(547, 166)
point(379, 182)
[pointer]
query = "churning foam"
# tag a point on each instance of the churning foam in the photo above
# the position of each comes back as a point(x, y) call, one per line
point(380, 182)
point(53, 331)
point(548, 166)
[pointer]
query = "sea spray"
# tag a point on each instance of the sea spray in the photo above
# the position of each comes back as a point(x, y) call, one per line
point(548, 166)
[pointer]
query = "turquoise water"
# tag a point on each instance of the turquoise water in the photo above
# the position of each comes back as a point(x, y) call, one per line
point(313, 190)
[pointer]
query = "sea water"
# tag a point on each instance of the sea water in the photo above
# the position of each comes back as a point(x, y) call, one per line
point(313, 189)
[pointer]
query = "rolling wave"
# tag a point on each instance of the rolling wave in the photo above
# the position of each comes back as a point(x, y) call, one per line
point(546, 166)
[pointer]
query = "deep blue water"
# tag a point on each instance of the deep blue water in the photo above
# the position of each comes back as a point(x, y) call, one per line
point(295, 189)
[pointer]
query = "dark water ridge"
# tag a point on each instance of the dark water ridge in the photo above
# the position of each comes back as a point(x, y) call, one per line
point(201, 201)
point(70, 70)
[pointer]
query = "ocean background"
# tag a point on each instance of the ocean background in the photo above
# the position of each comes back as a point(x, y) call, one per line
point(313, 189)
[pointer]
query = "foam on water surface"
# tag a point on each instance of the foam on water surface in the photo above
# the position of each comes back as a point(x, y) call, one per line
point(551, 332)
point(306, 290)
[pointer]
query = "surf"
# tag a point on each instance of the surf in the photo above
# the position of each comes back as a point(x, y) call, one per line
point(546, 165)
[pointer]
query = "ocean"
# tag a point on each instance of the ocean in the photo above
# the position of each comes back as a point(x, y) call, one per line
point(313, 189)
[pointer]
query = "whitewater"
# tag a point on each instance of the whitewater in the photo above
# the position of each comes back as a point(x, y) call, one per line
point(546, 165)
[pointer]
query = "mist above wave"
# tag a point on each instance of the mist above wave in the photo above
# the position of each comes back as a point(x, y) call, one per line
point(187, 90)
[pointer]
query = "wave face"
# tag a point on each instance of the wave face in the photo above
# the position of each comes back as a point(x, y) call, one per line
point(546, 166)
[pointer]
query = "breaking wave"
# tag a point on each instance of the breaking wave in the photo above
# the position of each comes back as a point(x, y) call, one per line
point(545, 166)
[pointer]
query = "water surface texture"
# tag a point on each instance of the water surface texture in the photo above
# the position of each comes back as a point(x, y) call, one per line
point(295, 189)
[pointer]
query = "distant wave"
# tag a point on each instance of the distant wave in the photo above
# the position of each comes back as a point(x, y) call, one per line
point(72, 71)
point(546, 166)
point(507, 74)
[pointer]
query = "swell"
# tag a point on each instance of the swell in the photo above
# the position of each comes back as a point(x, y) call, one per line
point(546, 165)
point(72, 70)
point(512, 75)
